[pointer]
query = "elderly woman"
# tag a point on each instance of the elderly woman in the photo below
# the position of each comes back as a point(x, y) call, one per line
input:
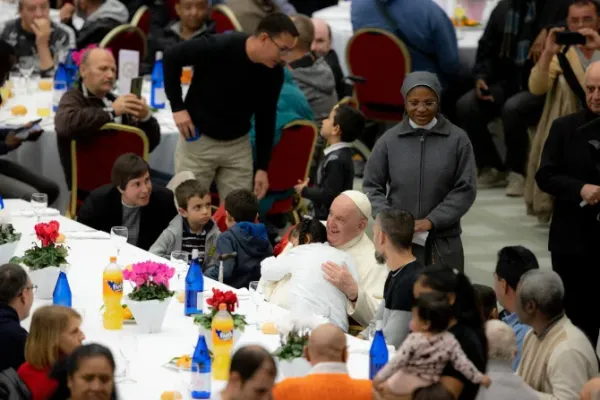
point(428, 164)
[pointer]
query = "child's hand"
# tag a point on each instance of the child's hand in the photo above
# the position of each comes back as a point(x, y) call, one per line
point(301, 185)
point(486, 381)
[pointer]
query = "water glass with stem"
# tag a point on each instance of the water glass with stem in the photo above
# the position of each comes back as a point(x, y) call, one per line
point(128, 347)
point(26, 67)
point(119, 236)
point(180, 261)
point(39, 202)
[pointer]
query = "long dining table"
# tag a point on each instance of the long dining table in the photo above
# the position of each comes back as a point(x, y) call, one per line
point(149, 354)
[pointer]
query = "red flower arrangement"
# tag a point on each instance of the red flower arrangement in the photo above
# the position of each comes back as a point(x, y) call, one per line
point(49, 254)
point(220, 297)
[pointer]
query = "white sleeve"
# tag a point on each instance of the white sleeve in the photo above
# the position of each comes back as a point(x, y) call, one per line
point(275, 268)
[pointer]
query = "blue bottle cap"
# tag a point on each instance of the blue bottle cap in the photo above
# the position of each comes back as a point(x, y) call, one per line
point(1, 203)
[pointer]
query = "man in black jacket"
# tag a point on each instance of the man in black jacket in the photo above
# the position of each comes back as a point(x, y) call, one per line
point(570, 171)
point(130, 201)
point(16, 298)
point(504, 60)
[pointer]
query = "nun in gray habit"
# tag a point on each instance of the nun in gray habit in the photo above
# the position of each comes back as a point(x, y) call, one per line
point(425, 165)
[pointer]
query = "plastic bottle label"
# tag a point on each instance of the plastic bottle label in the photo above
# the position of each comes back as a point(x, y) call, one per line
point(224, 335)
point(200, 301)
point(112, 287)
point(159, 96)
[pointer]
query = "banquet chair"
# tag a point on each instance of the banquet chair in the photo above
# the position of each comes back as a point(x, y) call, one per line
point(225, 19)
point(92, 161)
point(125, 37)
point(290, 162)
point(171, 8)
point(141, 19)
point(378, 62)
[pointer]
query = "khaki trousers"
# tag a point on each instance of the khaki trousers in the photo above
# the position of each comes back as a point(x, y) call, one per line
point(229, 162)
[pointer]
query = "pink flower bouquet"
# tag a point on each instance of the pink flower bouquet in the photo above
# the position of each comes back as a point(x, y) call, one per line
point(151, 280)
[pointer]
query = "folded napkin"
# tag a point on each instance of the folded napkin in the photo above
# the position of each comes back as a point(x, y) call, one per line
point(87, 235)
point(47, 212)
point(242, 293)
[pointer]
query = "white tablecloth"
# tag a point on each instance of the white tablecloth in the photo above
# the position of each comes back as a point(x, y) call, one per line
point(88, 258)
point(42, 156)
point(338, 18)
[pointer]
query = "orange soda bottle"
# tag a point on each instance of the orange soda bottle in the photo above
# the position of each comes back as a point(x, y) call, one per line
point(222, 341)
point(112, 291)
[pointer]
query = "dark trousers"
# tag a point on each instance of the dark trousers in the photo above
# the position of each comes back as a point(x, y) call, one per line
point(18, 182)
point(580, 275)
point(518, 112)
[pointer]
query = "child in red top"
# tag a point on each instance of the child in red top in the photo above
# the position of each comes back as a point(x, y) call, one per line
point(54, 333)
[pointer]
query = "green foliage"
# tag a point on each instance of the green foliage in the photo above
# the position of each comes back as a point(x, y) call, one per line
point(150, 291)
point(39, 257)
point(8, 234)
point(205, 320)
point(293, 346)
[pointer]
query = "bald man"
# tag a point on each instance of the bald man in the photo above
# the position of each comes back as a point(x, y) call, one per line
point(83, 110)
point(570, 172)
point(321, 47)
point(346, 224)
point(591, 390)
point(328, 378)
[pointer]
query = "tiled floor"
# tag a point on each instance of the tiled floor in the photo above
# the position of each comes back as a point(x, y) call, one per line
point(493, 222)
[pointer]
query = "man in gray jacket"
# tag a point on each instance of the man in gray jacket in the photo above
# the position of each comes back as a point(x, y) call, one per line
point(428, 164)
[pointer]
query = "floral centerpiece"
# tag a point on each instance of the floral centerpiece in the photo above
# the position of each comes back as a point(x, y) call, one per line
point(9, 239)
point(204, 320)
point(45, 259)
point(294, 333)
point(151, 295)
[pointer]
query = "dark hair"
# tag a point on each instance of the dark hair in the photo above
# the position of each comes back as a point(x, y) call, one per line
point(350, 121)
point(7, 59)
point(249, 359)
point(433, 307)
point(275, 24)
point(435, 391)
point(513, 262)
point(242, 205)
point(314, 228)
point(67, 367)
point(13, 280)
point(487, 298)
point(188, 189)
point(306, 31)
point(127, 167)
point(399, 227)
point(466, 307)
point(582, 3)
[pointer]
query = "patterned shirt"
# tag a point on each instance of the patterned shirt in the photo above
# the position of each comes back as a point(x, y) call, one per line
point(191, 241)
point(426, 356)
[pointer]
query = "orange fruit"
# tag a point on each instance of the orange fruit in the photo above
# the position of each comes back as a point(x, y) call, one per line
point(45, 85)
point(180, 297)
point(127, 313)
point(19, 110)
point(185, 361)
point(60, 238)
point(171, 395)
point(268, 328)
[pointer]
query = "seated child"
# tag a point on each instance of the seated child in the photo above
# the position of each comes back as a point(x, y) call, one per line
point(489, 304)
point(423, 355)
point(244, 237)
point(336, 170)
point(307, 290)
point(193, 228)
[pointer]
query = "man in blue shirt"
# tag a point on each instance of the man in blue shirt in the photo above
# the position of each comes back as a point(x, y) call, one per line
point(513, 262)
point(425, 26)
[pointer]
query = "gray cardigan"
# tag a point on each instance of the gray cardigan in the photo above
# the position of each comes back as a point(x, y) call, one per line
point(171, 238)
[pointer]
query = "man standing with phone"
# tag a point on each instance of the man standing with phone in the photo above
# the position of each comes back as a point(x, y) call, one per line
point(235, 76)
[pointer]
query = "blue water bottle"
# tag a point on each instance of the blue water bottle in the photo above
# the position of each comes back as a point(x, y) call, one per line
point(157, 94)
point(71, 69)
point(60, 85)
point(378, 355)
point(201, 373)
point(62, 291)
point(194, 287)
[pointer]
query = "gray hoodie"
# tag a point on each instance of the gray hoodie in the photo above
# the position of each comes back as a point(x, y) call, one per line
point(112, 9)
point(171, 239)
point(317, 82)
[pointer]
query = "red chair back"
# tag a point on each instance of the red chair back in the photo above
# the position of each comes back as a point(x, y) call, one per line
point(225, 19)
point(172, 12)
point(141, 19)
point(382, 61)
point(291, 156)
point(92, 161)
point(125, 37)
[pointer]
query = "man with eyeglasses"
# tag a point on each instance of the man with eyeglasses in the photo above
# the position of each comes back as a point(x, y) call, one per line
point(235, 77)
point(16, 298)
point(34, 36)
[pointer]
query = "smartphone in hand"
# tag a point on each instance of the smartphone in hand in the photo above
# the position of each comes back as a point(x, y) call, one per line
point(136, 86)
point(570, 38)
point(24, 131)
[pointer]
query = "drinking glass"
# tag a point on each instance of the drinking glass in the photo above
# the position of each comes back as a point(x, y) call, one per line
point(26, 67)
point(128, 347)
point(39, 202)
point(180, 261)
point(257, 299)
point(119, 235)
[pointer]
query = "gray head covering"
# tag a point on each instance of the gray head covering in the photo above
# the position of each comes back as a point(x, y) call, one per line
point(422, 78)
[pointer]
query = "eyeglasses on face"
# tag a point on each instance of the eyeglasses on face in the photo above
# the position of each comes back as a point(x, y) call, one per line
point(284, 51)
point(31, 287)
point(414, 104)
